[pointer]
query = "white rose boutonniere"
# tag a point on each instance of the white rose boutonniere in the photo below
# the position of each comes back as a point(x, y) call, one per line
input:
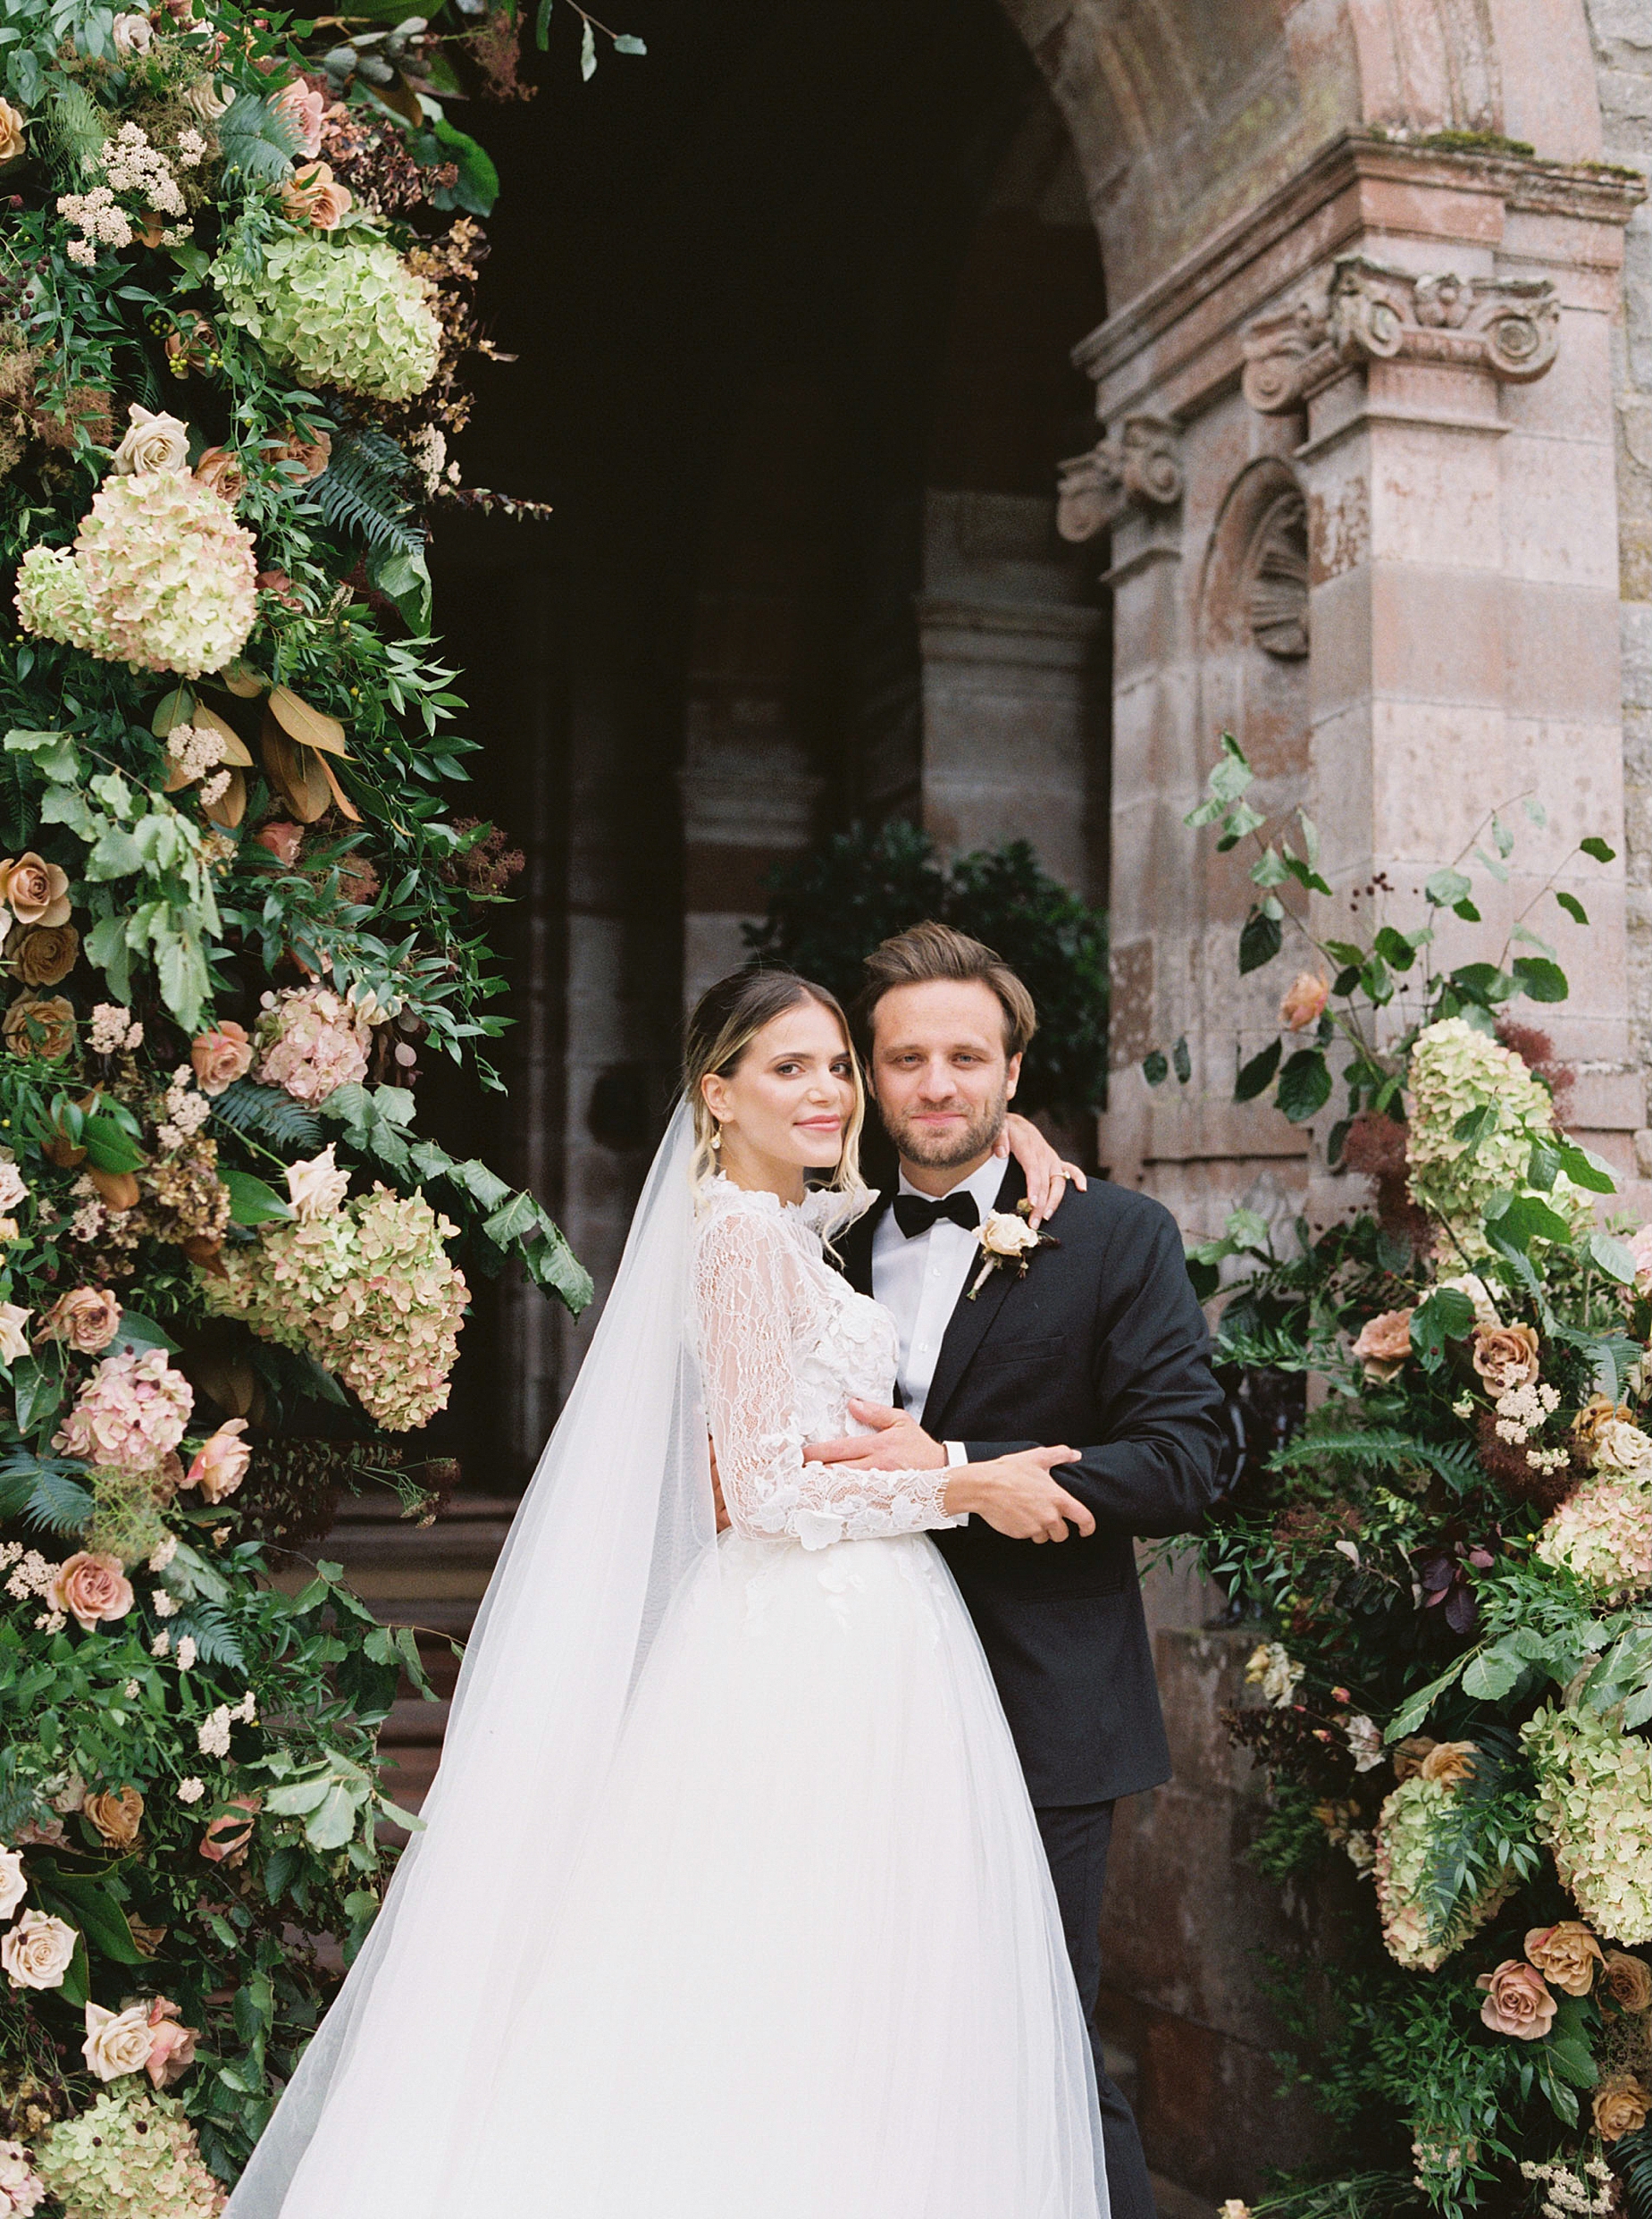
point(1007, 1242)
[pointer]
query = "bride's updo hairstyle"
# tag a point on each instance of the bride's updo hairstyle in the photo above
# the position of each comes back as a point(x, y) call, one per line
point(722, 1026)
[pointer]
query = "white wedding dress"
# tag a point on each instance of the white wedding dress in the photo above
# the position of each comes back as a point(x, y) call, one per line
point(806, 1960)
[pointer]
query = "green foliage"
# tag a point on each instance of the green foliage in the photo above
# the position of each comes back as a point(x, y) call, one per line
point(831, 909)
point(364, 491)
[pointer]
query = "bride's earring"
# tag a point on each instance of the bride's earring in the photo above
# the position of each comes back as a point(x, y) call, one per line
point(716, 1139)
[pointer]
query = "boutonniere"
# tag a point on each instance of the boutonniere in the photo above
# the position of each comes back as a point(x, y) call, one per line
point(1007, 1240)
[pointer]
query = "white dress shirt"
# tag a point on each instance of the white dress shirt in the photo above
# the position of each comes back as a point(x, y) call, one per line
point(920, 1280)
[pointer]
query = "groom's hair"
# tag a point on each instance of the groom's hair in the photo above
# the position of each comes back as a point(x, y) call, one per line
point(930, 953)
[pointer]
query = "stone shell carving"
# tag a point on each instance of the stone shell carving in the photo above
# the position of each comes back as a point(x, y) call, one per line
point(1368, 311)
point(1275, 579)
point(1137, 465)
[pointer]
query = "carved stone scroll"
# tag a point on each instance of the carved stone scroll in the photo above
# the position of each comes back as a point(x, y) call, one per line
point(1138, 465)
point(1367, 311)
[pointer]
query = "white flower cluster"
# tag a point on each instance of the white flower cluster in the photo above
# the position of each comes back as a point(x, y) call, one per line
point(186, 1111)
point(114, 1029)
point(100, 223)
point(194, 748)
point(31, 1574)
point(1567, 2195)
point(213, 1735)
point(1524, 1409)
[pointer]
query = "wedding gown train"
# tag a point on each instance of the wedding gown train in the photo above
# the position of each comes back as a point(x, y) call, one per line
point(807, 1962)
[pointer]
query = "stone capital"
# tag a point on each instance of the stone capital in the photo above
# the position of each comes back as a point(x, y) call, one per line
point(1136, 466)
point(1369, 311)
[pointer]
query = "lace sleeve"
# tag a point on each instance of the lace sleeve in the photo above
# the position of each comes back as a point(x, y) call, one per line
point(755, 1305)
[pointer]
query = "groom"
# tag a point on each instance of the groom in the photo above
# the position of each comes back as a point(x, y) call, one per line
point(1101, 1342)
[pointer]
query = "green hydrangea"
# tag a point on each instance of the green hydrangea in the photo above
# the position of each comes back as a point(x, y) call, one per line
point(1407, 1831)
point(1593, 1812)
point(343, 311)
point(1456, 1069)
point(130, 2155)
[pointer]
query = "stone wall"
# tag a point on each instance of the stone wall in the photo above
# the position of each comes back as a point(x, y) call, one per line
point(1622, 31)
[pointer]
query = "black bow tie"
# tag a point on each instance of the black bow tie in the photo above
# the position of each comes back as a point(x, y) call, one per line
point(916, 1212)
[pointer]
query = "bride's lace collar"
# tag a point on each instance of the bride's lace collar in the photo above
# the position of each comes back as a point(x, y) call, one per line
point(824, 1209)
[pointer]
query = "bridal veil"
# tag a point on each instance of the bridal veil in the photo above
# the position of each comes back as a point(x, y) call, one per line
point(618, 1509)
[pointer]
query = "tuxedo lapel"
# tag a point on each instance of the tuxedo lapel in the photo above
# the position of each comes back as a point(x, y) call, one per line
point(854, 1247)
point(970, 1321)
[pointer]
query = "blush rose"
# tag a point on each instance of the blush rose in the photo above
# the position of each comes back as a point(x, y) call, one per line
point(1518, 2001)
point(91, 1587)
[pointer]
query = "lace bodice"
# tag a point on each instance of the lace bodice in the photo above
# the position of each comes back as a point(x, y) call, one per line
point(784, 1341)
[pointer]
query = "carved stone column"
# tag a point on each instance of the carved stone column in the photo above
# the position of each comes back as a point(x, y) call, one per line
point(1462, 610)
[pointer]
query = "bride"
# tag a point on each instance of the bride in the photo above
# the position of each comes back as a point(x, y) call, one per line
point(730, 1904)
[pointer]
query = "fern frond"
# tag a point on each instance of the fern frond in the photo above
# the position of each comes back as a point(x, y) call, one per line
point(215, 1639)
point(363, 491)
point(19, 802)
point(54, 1503)
point(1631, 2158)
point(1453, 1460)
point(255, 141)
point(76, 130)
point(269, 1114)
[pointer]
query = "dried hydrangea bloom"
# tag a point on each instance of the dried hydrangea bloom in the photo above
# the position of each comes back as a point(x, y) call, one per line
point(1455, 1070)
point(347, 312)
point(1593, 1812)
point(1407, 1829)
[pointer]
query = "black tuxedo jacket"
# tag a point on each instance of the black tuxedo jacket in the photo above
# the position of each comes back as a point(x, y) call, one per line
point(1102, 1346)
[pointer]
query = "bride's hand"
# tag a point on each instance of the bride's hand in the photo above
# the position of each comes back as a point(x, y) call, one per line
point(1046, 1173)
point(1019, 1495)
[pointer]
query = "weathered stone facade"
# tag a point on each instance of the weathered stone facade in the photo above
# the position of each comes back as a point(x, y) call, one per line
point(1359, 467)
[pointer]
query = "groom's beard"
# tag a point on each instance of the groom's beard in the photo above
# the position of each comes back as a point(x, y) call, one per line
point(963, 1144)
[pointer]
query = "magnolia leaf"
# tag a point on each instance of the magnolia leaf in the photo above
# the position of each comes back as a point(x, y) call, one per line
point(342, 801)
point(296, 773)
point(172, 709)
point(242, 680)
point(235, 748)
point(230, 805)
point(312, 726)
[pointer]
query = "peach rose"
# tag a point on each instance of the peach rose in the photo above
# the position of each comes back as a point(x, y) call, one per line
point(36, 892)
point(153, 440)
point(316, 1187)
point(14, 144)
point(36, 1950)
point(1505, 1357)
point(171, 2046)
point(91, 1586)
point(1628, 1980)
point(14, 1887)
point(219, 470)
point(229, 1837)
point(131, 34)
point(1621, 2106)
point(1304, 1002)
point(1409, 1754)
point(221, 1466)
point(1384, 1343)
point(283, 842)
point(302, 109)
point(14, 1340)
point(311, 455)
point(117, 1814)
point(117, 2042)
point(221, 1056)
point(39, 1025)
point(1517, 2001)
point(86, 1317)
point(47, 954)
point(1597, 1413)
point(313, 196)
point(1565, 1954)
point(1449, 1761)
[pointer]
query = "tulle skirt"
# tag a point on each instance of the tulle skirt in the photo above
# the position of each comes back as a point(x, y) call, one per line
point(811, 1964)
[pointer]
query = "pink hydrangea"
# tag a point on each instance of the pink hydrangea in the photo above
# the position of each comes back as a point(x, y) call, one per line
point(1640, 1249)
point(21, 2188)
point(162, 576)
point(1602, 1533)
point(312, 1041)
point(130, 1414)
point(369, 1291)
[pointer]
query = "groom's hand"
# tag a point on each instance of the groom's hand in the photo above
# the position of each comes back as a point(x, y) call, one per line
point(897, 1444)
point(1019, 1495)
